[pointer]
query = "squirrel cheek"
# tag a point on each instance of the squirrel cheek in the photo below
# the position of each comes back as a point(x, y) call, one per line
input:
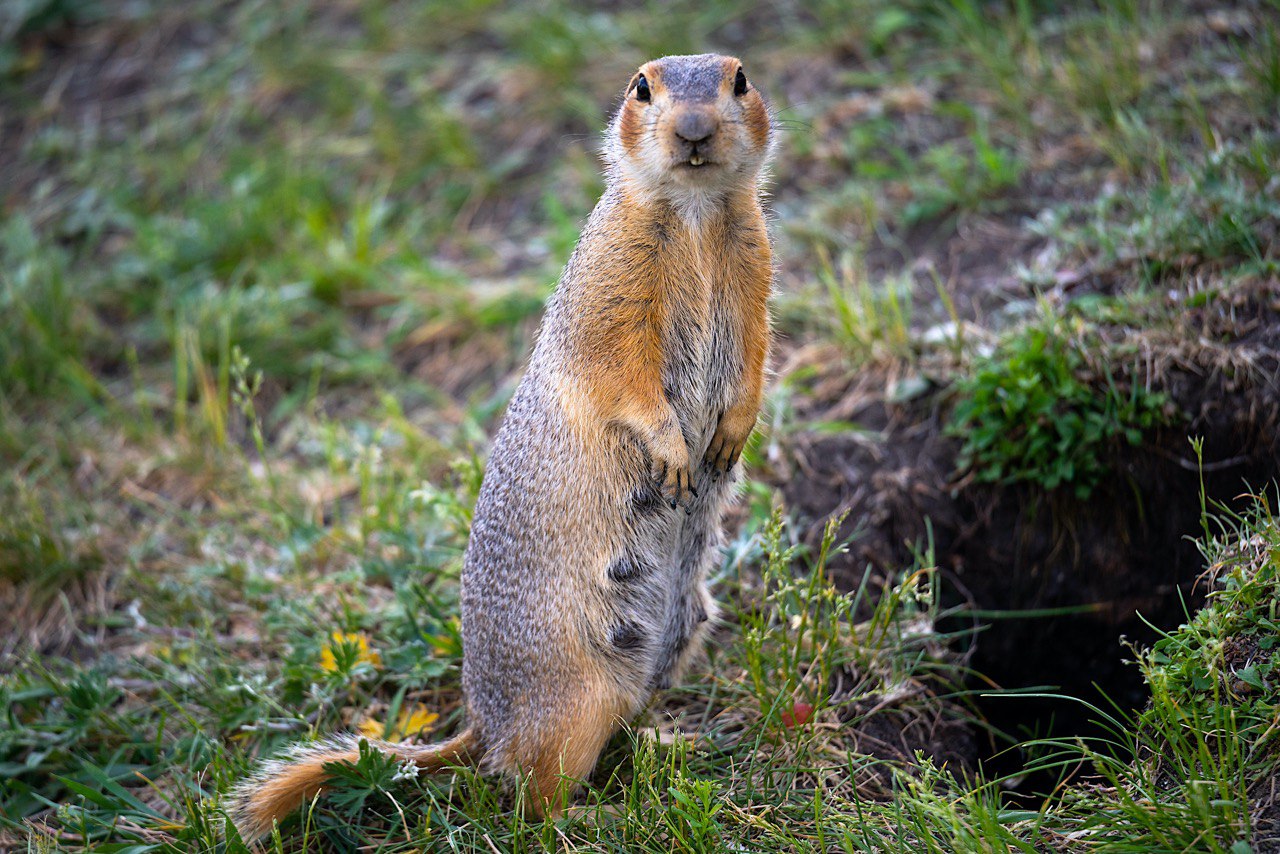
point(757, 119)
point(630, 128)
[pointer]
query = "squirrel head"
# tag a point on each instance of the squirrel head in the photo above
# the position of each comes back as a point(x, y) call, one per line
point(691, 130)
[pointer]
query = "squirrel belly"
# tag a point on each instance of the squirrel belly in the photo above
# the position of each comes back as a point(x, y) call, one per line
point(584, 580)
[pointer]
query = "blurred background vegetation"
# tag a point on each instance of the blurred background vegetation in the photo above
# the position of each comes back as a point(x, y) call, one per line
point(268, 273)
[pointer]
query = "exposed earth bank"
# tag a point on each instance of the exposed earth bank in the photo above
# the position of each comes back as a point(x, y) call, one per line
point(1116, 566)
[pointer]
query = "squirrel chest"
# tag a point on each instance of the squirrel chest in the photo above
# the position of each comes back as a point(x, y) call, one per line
point(698, 281)
point(701, 349)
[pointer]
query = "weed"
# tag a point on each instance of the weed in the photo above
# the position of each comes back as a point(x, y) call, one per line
point(1031, 413)
point(961, 181)
point(44, 329)
point(1099, 69)
point(1004, 53)
point(864, 28)
point(267, 273)
point(691, 819)
point(906, 182)
point(46, 554)
point(1261, 58)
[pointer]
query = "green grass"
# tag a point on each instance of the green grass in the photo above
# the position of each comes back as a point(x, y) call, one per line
point(1219, 212)
point(263, 302)
point(1184, 774)
point(132, 748)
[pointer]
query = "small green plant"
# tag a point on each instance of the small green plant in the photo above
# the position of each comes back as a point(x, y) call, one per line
point(1030, 412)
point(1261, 59)
point(691, 817)
point(372, 773)
point(44, 327)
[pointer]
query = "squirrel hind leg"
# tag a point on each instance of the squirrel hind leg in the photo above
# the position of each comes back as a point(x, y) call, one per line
point(561, 757)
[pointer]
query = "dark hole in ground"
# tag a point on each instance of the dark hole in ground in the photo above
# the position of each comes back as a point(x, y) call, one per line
point(1127, 563)
point(1123, 558)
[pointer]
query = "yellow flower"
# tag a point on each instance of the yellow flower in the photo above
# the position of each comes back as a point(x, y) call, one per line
point(446, 642)
point(341, 644)
point(411, 722)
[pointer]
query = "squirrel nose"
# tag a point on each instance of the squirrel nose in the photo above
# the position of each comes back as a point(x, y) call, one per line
point(695, 126)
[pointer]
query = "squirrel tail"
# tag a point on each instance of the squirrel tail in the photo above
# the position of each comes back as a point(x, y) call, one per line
point(283, 785)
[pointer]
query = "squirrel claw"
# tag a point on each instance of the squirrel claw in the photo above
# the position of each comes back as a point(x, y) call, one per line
point(723, 455)
point(676, 485)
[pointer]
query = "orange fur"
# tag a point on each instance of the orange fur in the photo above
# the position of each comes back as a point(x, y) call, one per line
point(283, 787)
point(280, 795)
point(567, 753)
point(631, 126)
point(758, 120)
point(622, 344)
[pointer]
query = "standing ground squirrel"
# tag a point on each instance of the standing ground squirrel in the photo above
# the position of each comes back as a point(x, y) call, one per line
point(584, 582)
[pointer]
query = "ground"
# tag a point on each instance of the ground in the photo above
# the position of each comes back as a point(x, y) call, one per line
point(269, 273)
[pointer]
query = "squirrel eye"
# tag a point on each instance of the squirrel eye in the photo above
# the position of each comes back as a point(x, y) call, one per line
point(740, 84)
point(642, 89)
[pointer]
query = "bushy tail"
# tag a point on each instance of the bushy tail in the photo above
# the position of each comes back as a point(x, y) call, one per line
point(283, 785)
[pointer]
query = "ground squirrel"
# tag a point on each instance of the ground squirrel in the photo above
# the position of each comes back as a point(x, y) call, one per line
point(584, 581)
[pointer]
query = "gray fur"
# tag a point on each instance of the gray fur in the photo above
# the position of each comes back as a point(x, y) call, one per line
point(550, 553)
point(692, 78)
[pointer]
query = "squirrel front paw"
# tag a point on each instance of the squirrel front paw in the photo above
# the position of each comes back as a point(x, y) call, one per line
point(730, 438)
point(673, 474)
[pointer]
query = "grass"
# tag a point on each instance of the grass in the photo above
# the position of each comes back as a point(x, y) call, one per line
point(268, 273)
point(1219, 211)
point(750, 764)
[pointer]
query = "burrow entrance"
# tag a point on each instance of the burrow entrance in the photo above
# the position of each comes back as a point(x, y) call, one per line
point(1121, 564)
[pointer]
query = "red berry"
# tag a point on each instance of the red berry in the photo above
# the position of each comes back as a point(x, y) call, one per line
point(799, 715)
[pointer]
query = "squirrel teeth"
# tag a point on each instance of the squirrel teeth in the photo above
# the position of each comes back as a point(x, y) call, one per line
point(696, 160)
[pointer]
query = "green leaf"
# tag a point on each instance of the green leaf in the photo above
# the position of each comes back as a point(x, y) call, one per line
point(1250, 676)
